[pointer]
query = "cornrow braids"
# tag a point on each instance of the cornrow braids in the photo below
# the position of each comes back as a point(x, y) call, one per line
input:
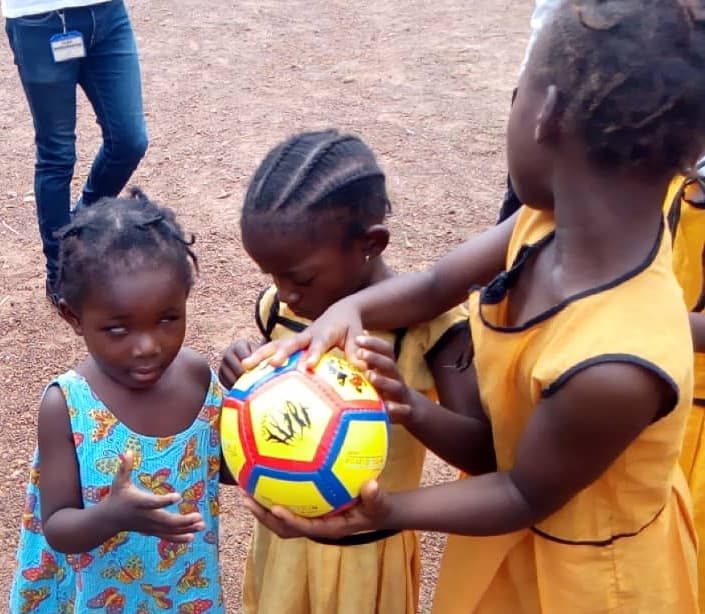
point(263, 173)
point(630, 77)
point(120, 233)
point(315, 156)
point(316, 171)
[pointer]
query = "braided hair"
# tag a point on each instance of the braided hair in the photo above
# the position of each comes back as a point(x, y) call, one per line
point(630, 77)
point(314, 172)
point(125, 233)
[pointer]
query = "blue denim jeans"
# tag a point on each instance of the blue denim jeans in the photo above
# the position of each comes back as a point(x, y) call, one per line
point(110, 77)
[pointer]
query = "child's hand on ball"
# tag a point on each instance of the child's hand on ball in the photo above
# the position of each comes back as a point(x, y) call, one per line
point(370, 514)
point(384, 375)
point(338, 326)
point(231, 366)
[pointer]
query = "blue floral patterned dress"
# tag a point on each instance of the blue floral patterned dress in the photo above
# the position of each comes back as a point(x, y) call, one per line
point(130, 573)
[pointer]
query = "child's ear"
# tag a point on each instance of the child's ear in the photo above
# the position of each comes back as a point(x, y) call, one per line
point(70, 316)
point(375, 240)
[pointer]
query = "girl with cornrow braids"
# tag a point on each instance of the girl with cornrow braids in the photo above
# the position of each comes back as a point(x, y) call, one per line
point(122, 506)
point(313, 220)
point(580, 338)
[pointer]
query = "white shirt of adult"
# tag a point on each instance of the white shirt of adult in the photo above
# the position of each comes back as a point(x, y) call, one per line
point(541, 14)
point(25, 8)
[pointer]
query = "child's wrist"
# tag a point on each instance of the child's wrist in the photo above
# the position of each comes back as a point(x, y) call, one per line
point(418, 410)
point(108, 513)
point(393, 519)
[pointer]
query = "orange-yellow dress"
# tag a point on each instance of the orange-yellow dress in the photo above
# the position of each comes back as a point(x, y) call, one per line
point(626, 543)
point(299, 576)
point(686, 214)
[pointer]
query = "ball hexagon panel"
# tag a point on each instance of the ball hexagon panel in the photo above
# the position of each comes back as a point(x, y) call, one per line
point(362, 450)
point(289, 419)
point(303, 497)
point(347, 382)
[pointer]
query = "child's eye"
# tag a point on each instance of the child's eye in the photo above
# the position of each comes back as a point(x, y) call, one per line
point(168, 319)
point(304, 282)
point(117, 331)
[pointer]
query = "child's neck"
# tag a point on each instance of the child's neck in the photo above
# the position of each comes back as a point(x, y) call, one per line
point(605, 226)
point(380, 272)
point(168, 407)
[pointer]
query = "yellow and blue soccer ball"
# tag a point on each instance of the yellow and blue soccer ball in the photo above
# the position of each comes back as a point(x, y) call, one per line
point(304, 439)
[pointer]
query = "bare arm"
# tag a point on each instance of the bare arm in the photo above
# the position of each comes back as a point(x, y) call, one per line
point(403, 300)
point(557, 457)
point(461, 435)
point(70, 528)
point(457, 430)
point(60, 485)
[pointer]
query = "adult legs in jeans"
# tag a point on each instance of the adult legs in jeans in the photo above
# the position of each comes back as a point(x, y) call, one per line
point(110, 77)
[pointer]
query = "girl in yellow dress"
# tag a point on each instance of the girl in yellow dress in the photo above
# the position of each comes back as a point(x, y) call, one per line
point(313, 219)
point(685, 207)
point(580, 337)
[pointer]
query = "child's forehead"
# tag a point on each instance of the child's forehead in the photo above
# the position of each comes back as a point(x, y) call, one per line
point(305, 227)
point(133, 286)
point(290, 258)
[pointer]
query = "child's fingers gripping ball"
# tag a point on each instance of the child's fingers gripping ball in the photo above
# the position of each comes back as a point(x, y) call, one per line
point(304, 439)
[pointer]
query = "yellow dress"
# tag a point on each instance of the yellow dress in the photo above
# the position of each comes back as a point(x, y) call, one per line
point(299, 576)
point(687, 221)
point(626, 543)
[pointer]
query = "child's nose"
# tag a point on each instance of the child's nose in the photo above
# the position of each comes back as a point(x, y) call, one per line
point(291, 298)
point(286, 292)
point(145, 345)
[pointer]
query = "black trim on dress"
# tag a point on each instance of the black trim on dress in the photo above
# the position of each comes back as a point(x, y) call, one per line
point(497, 290)
point(595, 543)
point(357, 539)
point(563, 378)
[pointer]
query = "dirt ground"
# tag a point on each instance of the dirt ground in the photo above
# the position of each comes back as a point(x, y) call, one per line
point(427, 84)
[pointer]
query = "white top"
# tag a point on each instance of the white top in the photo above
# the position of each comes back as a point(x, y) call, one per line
point(22, 8)
point(541, 14)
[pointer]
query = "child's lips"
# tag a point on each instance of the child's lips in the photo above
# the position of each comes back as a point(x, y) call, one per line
point(146, 373)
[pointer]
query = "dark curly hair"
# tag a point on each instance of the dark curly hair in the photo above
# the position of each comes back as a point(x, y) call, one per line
point(125, 233)
point(631, 77)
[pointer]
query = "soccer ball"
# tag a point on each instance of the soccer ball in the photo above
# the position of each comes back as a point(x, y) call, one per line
point(304, 439)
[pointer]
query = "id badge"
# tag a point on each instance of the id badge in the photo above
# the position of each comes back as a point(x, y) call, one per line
point(67, 46)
